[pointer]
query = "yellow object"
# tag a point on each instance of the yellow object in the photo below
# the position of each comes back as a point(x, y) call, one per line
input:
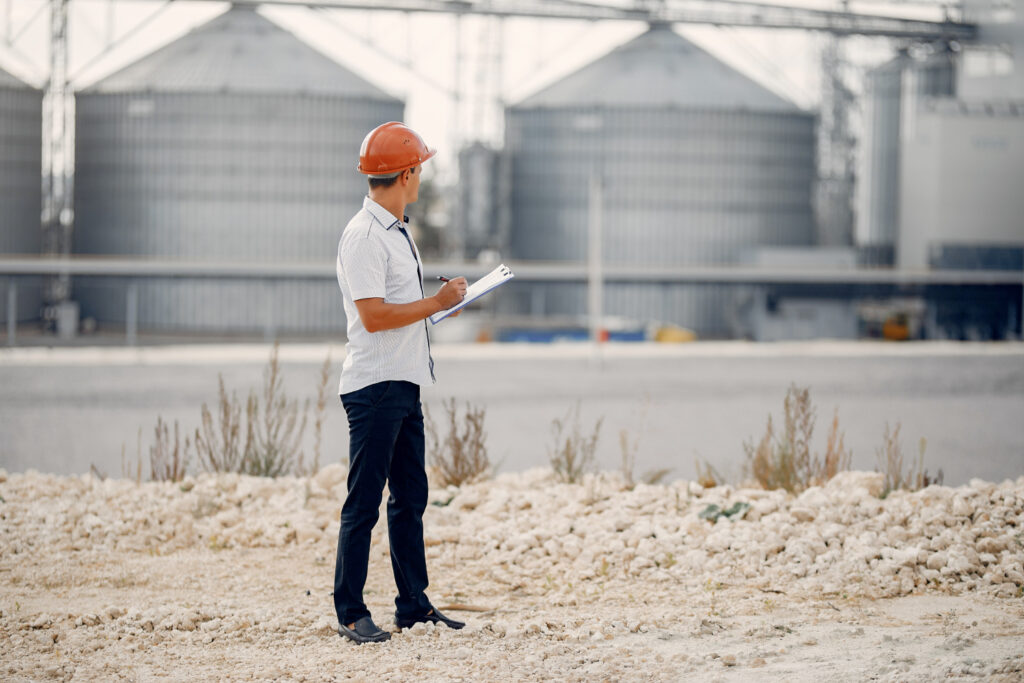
point(672, 334)
point(895, 328)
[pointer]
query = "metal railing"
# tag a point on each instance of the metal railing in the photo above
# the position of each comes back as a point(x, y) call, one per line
point(14, 267)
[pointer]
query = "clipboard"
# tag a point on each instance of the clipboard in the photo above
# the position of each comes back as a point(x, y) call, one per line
point(492, 280)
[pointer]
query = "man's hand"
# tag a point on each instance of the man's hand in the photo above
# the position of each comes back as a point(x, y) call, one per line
point(451, 293)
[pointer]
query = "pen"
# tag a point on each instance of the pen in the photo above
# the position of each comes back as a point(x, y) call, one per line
point(442, 278)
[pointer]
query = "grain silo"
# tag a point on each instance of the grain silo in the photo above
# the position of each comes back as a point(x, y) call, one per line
point(894, 93)
point(237, 142)
point(878, 190)
point(21, 126)
point(699, 164)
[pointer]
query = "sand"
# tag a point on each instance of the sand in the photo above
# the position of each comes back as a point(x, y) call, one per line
point(225, 577)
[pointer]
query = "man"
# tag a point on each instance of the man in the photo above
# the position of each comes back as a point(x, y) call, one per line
point(388, 360)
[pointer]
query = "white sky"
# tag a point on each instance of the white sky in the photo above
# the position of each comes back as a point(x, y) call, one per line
point(421, 48)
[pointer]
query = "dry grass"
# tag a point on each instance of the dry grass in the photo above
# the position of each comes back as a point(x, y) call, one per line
point(573, 452)
point(168, 460)
point(785, 461)
point(220, 447)
point(126, 468)
point(260, 437)
point(629, 445)
point(707, 476)
point(461, 456)
point(890, 462)
point(320, 413)
point(277, 429)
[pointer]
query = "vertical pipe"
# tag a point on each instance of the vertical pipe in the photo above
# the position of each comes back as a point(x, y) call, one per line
point(270, 290)
point(12, 310)
point(595, 276)
point(131, 315)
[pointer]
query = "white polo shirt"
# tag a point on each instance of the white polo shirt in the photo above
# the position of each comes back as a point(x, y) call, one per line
point(377, 260)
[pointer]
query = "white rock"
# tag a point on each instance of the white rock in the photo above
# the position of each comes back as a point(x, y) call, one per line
point(803, 514)
point(848, 482)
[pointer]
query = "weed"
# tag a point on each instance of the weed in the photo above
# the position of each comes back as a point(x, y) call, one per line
point(630, 445)
point(167, 461)
point(220, 448)
point(890, 461)
point(573, 453)
point(320, 413)
point(126, 469)
point(785, 461)
point(461, 456)
point(102, 476)
point(278, 431)
point(656, 476)
point(707, 476)
point(837, 456)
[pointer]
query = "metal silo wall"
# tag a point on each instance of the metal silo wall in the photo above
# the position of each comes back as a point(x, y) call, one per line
point(681, 187)
point(21, 125)
point(879, 205)
point(220, 177)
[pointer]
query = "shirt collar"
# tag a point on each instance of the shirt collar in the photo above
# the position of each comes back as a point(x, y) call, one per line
point(382, 215)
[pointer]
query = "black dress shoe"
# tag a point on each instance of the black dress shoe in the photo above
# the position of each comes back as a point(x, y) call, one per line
point(364, 631)
point(433, 616)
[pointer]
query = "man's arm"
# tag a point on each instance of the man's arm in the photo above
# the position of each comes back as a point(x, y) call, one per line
point(377, 315)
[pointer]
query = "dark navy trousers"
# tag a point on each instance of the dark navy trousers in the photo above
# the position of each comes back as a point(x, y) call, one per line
point(385, 427)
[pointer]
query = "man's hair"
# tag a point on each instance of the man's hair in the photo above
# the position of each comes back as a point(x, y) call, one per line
point(386, 180)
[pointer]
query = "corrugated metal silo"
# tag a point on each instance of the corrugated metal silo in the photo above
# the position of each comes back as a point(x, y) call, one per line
point(237, 142)
point(894, 93)
point(698, 162)
point(879, 192)
point(21, 126)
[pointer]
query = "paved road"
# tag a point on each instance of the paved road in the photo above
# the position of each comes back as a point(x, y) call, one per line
point(65, 410)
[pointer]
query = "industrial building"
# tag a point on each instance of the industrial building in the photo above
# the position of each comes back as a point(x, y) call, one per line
point(21, 126)
point(942, 162)
point(234, 143)
point(697, 164)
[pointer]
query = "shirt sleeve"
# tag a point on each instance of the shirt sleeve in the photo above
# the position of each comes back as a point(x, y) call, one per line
point(364, 265)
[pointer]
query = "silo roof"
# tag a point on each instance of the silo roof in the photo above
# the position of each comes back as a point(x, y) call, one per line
point(10, 81)
point(659, 68)
point(239, 51)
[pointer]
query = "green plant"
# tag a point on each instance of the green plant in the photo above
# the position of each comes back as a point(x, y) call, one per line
point(890, 461)
point(785, 461)
point(461, 456)
point(167, 460)
point(573, 452)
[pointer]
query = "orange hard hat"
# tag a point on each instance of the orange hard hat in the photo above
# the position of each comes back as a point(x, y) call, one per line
point(391, 148)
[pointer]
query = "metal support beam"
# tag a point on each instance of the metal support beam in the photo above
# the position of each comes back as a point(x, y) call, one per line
point(57, 125)
point(131, 315)
point(525, 271)
point(12, 310)
point(595, 276)
point(720, 13)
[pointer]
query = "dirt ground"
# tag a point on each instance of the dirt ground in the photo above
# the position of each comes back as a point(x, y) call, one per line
point(229, 578)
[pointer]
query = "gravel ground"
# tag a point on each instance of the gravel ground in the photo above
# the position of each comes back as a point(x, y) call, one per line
point(228, 578)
